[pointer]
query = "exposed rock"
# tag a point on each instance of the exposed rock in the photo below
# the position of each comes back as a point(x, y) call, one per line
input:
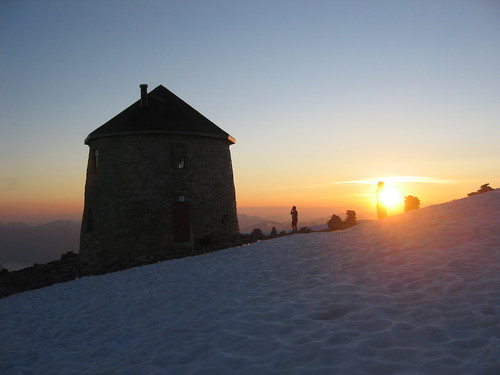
point(483, 189)
point(70, 266)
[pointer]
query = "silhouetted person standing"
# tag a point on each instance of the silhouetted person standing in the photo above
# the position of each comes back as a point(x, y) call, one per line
point(295, 218)
point(381, 208)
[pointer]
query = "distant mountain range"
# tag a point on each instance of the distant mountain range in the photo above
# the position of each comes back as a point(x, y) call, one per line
point(22, 245)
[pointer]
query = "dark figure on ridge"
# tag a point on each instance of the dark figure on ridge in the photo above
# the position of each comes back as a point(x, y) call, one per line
point(381, 208)
point(295, 218)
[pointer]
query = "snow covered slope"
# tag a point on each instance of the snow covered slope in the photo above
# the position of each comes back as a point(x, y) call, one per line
point(413, 294)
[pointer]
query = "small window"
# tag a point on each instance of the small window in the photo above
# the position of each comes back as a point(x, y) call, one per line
point(178, 156)
point(93, 161)
point(96, 156)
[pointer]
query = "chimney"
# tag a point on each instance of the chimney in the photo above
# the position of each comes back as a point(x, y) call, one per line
point(144, 96)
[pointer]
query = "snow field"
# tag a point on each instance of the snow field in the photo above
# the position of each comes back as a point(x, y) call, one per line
point(413, 294)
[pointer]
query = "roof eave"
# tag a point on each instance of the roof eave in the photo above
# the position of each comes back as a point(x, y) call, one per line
point(91, 137)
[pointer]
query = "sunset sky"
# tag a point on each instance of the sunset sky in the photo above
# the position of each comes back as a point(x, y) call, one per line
point(324, 98)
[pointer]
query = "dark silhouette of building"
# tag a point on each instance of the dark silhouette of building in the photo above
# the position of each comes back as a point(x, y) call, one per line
point(159, 178)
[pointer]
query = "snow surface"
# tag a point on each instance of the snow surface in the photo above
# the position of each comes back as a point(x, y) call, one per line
point(418, 293)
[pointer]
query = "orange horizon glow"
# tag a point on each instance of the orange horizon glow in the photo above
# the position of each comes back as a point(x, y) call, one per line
point(40, 210)
point(358, 195)
point(313, 201)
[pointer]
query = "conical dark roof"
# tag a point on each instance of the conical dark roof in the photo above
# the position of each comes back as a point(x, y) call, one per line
point(165, 114)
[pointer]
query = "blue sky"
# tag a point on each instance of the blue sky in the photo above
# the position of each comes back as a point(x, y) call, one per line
point(315, 92)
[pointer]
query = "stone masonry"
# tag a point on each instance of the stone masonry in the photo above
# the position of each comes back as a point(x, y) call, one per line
point(137, 180)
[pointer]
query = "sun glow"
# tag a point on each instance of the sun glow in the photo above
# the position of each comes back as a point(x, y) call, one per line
point(391, 197)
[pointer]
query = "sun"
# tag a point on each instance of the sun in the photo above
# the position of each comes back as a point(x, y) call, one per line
point(391, 197)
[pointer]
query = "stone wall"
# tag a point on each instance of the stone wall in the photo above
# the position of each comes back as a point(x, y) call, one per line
point(132, 186)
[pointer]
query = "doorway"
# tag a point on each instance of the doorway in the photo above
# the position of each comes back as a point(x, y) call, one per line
point(181, 222)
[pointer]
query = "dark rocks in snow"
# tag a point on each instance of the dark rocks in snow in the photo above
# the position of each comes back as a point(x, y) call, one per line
point(483, 189)
point(411, 203)
point(70, 266)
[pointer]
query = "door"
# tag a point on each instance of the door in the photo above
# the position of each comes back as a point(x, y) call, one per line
point(181, 222)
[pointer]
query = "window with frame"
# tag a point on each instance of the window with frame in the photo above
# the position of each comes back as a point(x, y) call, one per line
point(178, 156)
point(94, 161)
point(96, 156)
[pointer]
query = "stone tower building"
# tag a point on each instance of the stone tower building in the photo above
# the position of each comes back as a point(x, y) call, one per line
point(159, 177)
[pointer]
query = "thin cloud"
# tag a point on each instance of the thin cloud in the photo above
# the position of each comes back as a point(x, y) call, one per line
point(394, 179)
point(302, 186)
point(372, 181)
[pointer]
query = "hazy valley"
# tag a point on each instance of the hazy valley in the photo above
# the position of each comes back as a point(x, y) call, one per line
point(22, 245)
